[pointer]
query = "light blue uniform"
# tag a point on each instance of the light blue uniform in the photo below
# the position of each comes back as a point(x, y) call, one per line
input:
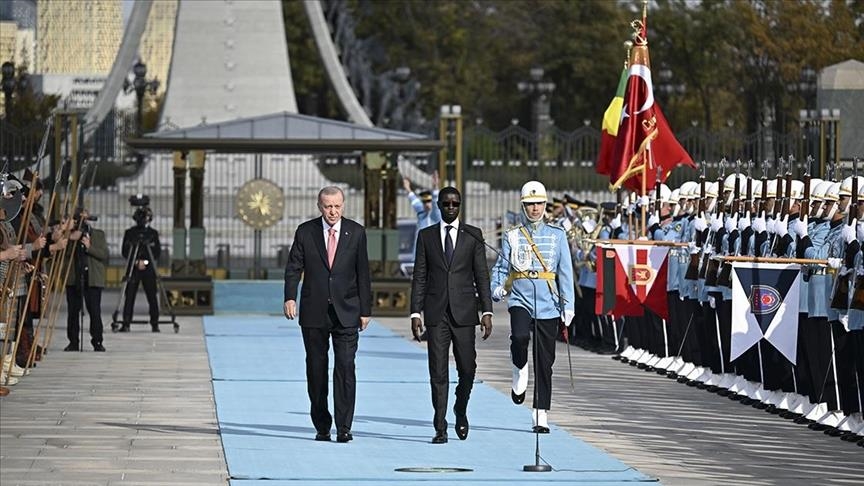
point(424, 218)
point(819, 286)
point(551, 242)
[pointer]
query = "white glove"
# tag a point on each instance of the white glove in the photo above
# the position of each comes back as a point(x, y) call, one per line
point(589, 225)
point(835, 262)
point(644, 201)
point(716, 223)
point(744, 222)
point(498, 293)
point(616, 222)
point(692, 247)
point(567, 317)
point(848, 233)
point(731, 223)
point(781, 227)
point(759, 224)
point(861, 230)
point(699, 223)
point(654, 219)
point(770, 224)
point(799, 228)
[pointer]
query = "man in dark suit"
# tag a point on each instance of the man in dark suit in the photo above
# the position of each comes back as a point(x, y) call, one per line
point(330, 254)
point(449, 274)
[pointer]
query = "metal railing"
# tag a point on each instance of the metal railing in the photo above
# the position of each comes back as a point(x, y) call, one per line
point(496, 164)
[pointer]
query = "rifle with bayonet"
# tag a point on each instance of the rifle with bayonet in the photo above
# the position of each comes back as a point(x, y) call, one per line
point(693, 267)
point(804, 207)
point(712, 265)
point(840, 300)
point(747, 211)
point(725, 276)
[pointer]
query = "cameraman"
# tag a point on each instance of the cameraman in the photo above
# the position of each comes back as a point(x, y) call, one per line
point(89, 251)
point(141, 249)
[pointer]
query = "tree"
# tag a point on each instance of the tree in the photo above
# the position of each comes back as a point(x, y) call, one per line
point(23, 124)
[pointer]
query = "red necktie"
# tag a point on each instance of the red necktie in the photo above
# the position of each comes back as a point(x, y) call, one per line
point(331, 247)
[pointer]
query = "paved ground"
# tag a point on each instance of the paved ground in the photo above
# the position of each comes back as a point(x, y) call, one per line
point(143, 413)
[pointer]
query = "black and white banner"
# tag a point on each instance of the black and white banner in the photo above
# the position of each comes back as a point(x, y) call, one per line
point(765, 304)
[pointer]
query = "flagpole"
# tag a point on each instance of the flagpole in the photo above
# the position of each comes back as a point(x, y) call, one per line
point(644, 194)
point(753, 259)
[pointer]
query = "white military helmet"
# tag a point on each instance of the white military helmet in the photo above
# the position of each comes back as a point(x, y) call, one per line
point(832, 193)
point(533, 191)
point(818, 191)
point(729, 183)
point(711, 189)
point(772, 188)
point(757, 189)
point(689, 190)
point(665, 194)
point(846, 185)
point(832, 196)
point(674, 196)
point(813, 183)
point(797, 191)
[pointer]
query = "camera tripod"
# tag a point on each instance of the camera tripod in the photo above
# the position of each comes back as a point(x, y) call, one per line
point(130, 267)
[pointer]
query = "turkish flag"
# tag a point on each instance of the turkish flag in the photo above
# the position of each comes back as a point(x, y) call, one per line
point(644, 141)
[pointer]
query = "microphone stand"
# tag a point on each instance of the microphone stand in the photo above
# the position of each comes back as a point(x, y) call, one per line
point(537, 466)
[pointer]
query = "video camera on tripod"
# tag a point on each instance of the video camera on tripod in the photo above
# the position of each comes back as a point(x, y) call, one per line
point(141, 248)
point(143, 214)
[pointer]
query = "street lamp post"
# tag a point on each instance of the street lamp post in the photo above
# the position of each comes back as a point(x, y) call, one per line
point(541, 93)
point(824, 124)
point(140, 84)
point(8, 85)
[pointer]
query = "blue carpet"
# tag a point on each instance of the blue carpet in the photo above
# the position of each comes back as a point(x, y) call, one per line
point(263, 411)
point(248, 296)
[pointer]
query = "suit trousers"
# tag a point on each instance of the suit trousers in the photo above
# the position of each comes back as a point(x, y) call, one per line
point(93, 300)
point(439, 338)
point(316, 340)
point(521, 327)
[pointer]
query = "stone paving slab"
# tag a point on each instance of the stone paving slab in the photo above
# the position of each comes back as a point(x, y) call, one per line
point(141, 413)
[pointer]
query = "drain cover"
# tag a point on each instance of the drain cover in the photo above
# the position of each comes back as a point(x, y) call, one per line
point(433, 469)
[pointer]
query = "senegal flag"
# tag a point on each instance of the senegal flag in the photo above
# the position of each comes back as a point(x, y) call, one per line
point(611, 121)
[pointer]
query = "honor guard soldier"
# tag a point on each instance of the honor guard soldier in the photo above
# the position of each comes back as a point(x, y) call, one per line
point(535, 269)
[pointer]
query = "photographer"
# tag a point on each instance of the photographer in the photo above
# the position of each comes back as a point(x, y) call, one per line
point(141, 249)
point(89, 251)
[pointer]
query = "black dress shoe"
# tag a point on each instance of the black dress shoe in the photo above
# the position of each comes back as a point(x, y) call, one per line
point(114, 327)
point(539, 429)
point(344, 437)
point(462, 427)
point(99, 348)
point(322, 436)
point(440, 438)
point(124, 328)
point(72, 347)
point(517, 399)
point(154, 328)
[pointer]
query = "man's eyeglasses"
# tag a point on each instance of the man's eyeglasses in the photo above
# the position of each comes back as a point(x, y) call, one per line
point(455, 204)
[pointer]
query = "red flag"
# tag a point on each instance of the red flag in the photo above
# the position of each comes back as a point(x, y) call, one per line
point(611, 122)
point(644, 141)
point(614, 296)
point(647, 274)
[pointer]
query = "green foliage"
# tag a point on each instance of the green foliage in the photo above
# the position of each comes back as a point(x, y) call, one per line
point(24, 121)
point(727, 58)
